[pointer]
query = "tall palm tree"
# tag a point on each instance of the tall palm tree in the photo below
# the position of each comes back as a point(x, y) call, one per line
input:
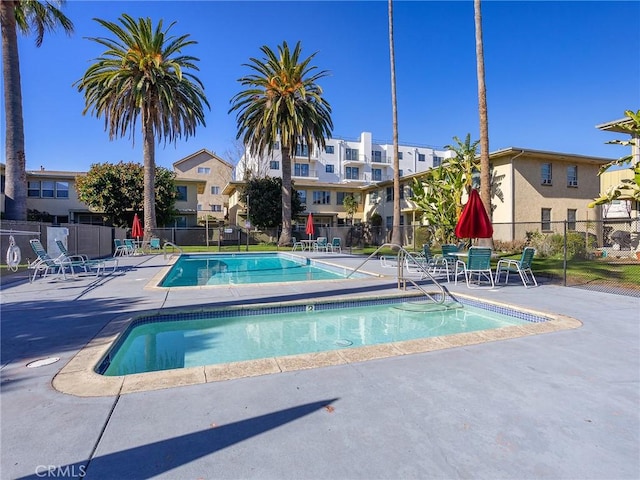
point(282, 101)
point(396, 235)
point(143, 73)
point(485, 177)
point(27, 16)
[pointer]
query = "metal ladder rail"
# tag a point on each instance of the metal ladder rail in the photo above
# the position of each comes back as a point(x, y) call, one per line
point(170, 244)
point(402, 280)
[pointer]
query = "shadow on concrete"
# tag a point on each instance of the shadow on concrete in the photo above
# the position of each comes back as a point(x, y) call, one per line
point(150, 460)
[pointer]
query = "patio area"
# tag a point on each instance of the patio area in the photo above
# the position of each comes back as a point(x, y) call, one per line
point(557, 405)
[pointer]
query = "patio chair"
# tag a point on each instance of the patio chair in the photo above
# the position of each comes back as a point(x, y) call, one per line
point(120, 248)
point(45, 263)
point(321, 245)
point(296, 244)
point(154, 244)
point(132, 247)
point(478, 265)
point(522, 267)
point(388, 262)
point(84, 261)
point(336, 245)
point(435, 264)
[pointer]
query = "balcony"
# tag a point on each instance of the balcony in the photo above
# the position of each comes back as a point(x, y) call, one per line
point(306, 174)
point(360, 159)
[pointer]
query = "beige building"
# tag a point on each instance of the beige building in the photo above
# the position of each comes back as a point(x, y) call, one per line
point(205, 166)
point(54, 193)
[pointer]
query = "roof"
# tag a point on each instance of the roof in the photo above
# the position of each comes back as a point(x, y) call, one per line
point(202, 150)
point(548, 155)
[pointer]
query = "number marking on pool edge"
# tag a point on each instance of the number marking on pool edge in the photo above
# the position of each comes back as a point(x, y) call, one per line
point(310, 308)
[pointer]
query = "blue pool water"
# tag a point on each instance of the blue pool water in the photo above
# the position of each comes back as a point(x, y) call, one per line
point(195, 339)
point(225, 269)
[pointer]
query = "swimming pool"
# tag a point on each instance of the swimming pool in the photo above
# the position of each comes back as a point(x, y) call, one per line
point(244, 268)
point(164, 342)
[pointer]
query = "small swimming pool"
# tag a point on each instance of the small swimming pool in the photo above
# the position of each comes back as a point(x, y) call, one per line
point(244, 268)
point(165, 342)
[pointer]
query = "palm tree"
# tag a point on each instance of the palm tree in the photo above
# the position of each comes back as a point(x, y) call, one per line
point(144, 73)
point(396, 234)
point(485, 179)
point(27, 17)
point(282, 102)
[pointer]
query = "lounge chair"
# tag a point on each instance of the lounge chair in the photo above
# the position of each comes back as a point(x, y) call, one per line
point(45, 263)
point(435, 264)
point(296, 244)
point(336, 245)
point(154, 244)
point(120, 248)
point(132, 247)
point(522, 267)
point(321, 245)
point(83, 261)
point(478, 265)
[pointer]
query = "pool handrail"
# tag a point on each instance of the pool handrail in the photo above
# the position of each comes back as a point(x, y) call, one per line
point(174, 246)
point(402, 279)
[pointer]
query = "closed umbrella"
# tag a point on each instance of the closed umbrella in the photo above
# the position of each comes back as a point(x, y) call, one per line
point(136, 228)
point(474, 221)
point(310, 229)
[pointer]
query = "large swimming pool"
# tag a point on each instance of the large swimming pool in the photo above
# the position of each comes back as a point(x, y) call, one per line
point(207, 338)
point(192, 270)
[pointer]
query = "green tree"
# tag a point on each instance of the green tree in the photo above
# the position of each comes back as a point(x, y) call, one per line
point(264, 197)
point(438, 193)
point(143, 73)
point(116, 190)
point(282, 102)
point(350, 205)
point(627, 189)
point(27, 17)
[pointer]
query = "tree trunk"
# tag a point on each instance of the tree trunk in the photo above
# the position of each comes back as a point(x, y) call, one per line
point(396, 234)
point(485, 177)
point(15, 169)
point(148, 153)
point(285, 234)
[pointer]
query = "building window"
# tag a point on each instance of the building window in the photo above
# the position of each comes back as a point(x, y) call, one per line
point(421, 157)
point(389, 223)
point(302, 150)
point(48, 189)
point(572, 176)
point(204, 170)
point(376, 156)
point(389, 197)
point(302, 195)
point(545, 171)
point(33, 189)
point(329, 149)
point(352, 173)
point(376, 174)
point(215, 190)
point(399, 155)
point(181, 190)
point(329, 168)
point(571, 218)
point(301, 169)
point(437, 161)
point(216, 207)
point(351, 154)
point(545, 219)
point(274, 165)
point(276, 146)
point(374, 197)
point(321, 197)
point(400, 173)
point(199, 207)
point(62, 189)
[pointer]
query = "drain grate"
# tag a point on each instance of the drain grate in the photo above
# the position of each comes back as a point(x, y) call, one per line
point(42, 362)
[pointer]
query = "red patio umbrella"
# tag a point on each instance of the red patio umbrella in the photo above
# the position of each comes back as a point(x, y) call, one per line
point(474, 221)
point(136, 228)
point(310, 229)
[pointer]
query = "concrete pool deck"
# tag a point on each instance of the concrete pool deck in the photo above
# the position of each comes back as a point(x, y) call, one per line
point(563, 404)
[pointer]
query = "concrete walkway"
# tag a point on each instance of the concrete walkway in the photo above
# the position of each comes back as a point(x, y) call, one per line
point(561, 405)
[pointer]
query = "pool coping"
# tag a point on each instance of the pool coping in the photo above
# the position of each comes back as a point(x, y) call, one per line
point(78, 376)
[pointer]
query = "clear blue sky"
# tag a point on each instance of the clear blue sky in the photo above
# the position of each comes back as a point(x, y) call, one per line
point(554, 70)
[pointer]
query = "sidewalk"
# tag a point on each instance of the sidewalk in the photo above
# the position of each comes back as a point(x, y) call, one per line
point(557, 405)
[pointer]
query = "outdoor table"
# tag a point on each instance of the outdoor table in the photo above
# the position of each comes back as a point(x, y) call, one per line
point(307, 244)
